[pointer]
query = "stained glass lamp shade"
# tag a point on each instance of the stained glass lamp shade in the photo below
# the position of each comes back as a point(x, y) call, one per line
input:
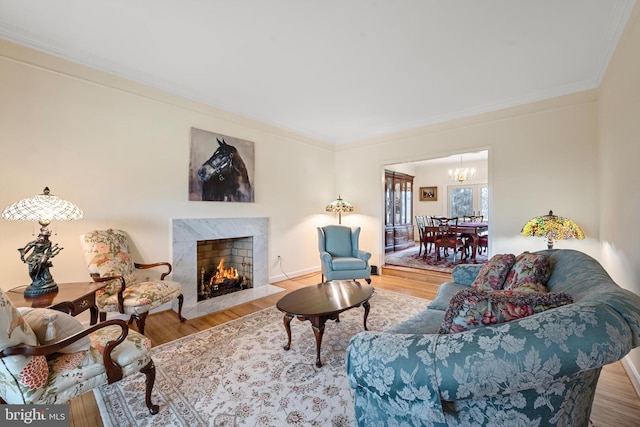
point(37, 254)
point(552, 227)
point(339, 205)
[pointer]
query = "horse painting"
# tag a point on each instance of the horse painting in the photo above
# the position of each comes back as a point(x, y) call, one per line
point(224, 176)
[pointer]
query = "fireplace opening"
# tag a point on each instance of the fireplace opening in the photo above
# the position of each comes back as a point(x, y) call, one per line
point(224, 266)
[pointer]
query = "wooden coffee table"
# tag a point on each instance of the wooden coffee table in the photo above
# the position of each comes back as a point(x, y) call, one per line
point(322, 302)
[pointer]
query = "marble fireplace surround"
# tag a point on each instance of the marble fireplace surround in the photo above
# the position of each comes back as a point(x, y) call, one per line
point(187, 232)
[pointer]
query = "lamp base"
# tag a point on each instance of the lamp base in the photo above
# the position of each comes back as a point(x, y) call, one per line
point(40, 289)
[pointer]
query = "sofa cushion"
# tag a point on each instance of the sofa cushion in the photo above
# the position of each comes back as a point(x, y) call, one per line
point(472, 308)
point(528, 268)
point(493, 274)
point(446, 291)
point(51, 326)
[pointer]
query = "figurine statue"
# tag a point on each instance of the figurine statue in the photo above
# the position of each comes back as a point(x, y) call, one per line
point(37, 254)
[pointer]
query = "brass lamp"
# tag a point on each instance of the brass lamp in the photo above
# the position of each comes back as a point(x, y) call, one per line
point(339, 205)
point(37, 254)
point(552, 227)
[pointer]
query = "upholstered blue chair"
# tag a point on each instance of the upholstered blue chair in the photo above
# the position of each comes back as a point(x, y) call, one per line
point(340, 256)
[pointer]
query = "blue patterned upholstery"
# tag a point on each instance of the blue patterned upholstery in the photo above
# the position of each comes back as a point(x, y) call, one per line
point(340, 256)
point(541, 370)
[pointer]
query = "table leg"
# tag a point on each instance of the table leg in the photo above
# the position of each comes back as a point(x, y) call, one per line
point(318, 331)
point(287, 327)
point(366, 313)
point(94, 315)
point(475, 247)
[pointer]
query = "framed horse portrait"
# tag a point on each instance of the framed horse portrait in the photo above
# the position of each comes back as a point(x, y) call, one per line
point(221, 168)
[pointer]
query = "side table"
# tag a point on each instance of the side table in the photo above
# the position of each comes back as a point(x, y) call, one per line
point(71, 298)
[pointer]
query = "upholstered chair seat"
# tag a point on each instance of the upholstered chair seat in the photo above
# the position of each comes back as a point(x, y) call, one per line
point(109, 259)
point(48, 357)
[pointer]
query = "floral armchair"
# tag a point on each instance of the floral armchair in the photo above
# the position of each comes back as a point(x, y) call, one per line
point(108, 259)
point(47, 357)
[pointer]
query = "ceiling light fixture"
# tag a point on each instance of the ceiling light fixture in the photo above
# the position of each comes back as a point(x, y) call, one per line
point(461, 174)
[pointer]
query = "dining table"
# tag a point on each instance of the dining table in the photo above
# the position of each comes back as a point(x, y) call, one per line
point(472, 229)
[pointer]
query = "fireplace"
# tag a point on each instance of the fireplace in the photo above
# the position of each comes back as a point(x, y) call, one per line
point(225, 266)
point(186, 270)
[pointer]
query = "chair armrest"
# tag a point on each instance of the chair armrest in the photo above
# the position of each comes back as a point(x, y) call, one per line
point(113, 370)
point(156, 264)
point(363, 255)
point(325, 257)
point(123, 286)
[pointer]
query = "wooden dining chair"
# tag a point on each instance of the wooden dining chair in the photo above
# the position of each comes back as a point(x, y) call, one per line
point(468, 238)
point(420, 222)
point(447, 237)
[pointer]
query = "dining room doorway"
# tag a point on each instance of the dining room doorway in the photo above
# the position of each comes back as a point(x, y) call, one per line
point(438, 191)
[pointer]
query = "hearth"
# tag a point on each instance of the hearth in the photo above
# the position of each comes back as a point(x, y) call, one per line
point(225, 266)
point(186, 235)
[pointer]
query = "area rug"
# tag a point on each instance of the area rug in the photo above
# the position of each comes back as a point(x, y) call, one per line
point(410, 258)
point(238, 374)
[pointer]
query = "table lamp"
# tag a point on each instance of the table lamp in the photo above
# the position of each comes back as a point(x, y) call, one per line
point(37, 254)
point(339, 205)
point(552, 228)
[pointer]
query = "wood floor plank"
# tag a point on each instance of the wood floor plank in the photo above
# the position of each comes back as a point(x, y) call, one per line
point(615, 403)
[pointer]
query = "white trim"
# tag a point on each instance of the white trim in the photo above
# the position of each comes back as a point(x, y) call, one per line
point(633, 374)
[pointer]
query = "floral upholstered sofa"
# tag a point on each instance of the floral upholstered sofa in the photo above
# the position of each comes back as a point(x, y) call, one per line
point(531, 365)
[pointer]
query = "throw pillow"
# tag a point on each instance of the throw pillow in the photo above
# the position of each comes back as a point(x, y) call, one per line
point(472, 308)
point(22, 378)
point(494, 272)
point(51, 326)
point(528, 268)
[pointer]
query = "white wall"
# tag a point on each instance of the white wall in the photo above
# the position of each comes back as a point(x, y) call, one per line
point(437, 175)
point(120, 151)
point(542, 156)
point(619, 155)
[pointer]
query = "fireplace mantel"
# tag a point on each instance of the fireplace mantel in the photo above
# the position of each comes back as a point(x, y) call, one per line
point(186, 234)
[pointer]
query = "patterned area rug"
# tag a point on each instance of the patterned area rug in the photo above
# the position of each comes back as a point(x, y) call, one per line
point(238, 374)
point(409, 258)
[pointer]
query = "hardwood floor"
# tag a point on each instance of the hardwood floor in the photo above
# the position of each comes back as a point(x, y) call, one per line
point(615, 403)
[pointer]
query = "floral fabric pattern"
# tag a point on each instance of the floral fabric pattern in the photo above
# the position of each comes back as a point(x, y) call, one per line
point(493, 274)
point(107, 254)
point(472, 308)
point(21, 377)
point(528, 268)
point(35, 379)
point(531, 371)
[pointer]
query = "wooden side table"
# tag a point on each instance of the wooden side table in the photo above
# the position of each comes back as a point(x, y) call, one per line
point(71, 298)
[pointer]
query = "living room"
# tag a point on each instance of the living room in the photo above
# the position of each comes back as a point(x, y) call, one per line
point(120, 151)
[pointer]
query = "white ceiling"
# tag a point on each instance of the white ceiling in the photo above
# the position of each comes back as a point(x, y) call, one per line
point(337, 70)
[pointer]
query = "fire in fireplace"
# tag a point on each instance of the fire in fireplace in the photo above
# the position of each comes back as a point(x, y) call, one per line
point(224, 266)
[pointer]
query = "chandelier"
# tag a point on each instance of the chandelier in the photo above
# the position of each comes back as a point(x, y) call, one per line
point(461, 174)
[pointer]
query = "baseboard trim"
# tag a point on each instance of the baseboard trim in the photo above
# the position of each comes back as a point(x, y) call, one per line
point(633, 374)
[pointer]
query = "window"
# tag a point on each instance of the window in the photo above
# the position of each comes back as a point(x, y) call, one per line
point(466, 200)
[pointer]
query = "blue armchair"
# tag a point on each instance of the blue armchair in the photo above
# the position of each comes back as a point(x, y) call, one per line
point(340, 257)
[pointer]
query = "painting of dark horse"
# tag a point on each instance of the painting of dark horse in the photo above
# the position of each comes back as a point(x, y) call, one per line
point(224, 176)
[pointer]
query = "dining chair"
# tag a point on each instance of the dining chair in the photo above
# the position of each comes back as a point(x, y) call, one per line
point(448, 237)
point(420, 221)
point(466, 237)
point(429, 237)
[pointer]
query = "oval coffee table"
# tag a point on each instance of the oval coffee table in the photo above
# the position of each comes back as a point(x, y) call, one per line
point(322, 302)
